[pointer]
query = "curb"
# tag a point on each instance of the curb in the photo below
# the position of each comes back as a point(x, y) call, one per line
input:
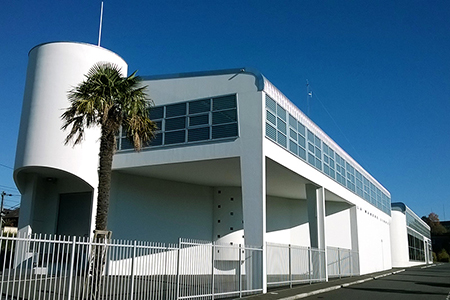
point(336, 287)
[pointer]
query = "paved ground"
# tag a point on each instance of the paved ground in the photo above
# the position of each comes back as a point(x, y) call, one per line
point(429, 282)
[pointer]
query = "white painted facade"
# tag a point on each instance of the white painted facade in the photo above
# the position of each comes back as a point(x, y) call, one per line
point(410, 236)
point(241, 189)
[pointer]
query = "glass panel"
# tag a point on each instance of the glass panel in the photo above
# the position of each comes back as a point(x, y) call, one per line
point(225, 116)
point(281, 112)
point(318, 153)
point(271, 132)
point(126, 144)
point(225, 102)
point(271, 104)
point(175, 137)
point(318, 164)
point(199, 120)
point(281, 126)
point(317, 142)
point(301, 141)
point(157, 141)
point(310, 137)
point(282, 139)
point(223, 131)
point(293, 146)
point(198, 134)
point(301, 129)
point(156, 112)
point(199, 106)
point(174, 110)
point(302, 153)
point(158, 125)
point(271, 117)
point(175, 123)
point(292, 121)
point(293, 134)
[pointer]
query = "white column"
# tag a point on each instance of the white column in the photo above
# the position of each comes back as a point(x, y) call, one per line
point(253, 178)
point(354, 228)
point(354, 236)
point(27, 201)
point(315, 198)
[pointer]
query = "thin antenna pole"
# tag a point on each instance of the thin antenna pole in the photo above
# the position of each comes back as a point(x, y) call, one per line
point(308, 96)
point(100, 28)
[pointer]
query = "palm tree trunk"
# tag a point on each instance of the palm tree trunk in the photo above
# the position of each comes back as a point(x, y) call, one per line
point(104, 178)
point(99, 250)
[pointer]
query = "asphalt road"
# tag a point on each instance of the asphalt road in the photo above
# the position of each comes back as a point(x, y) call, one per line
point(414, 283)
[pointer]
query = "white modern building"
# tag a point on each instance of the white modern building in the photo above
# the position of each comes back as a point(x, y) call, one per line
point(234, 161)
point(410, 236)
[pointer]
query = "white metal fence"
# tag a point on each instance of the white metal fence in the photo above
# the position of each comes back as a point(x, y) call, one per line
point(50, 267)
point(342, 262)
point(289, 264)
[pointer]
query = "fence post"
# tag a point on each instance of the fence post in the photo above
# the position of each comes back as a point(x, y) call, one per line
point(72, 259)
point(290, 266)
point(239, 271)
point(309, 263)
point(132, 271)
point(212, 269)
point(178, 268)
point(339, 261)
point(351, 263)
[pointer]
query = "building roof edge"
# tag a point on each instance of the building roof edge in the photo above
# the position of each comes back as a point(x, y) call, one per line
point(259, 78)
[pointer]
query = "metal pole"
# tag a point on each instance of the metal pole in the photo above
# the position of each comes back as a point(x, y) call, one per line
point(212, 270)
point(178, 268)
point(72, 259)
point(132, 271)
point(339, 262)
point(290, 266)
point(100, 28)
point(351, 263)
point(239, 271)
point(1, 210)
point(309, 263)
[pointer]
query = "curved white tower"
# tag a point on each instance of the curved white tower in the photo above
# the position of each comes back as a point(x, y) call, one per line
point(51, 176)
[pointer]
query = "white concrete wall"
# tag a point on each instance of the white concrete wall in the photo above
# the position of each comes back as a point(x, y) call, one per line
point(287, 221)
point(228, 220)
point(374, 239)
point(151, 209)
point(53, 70)
point(399, 239)
point(338, 231)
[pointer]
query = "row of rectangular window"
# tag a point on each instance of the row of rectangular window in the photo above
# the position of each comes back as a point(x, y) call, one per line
point(416, 248)
point(193, 107)
point(192, 121)
point(211, 118)
point(319, 154)
point(415, 224)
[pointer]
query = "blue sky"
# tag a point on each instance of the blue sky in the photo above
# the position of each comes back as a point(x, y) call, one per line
point(379, 70)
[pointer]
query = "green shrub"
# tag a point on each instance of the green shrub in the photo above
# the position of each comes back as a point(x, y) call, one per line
point(434, 257)
point(443, 256)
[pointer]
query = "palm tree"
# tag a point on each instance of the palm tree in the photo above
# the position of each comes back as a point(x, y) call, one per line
point(108, 100)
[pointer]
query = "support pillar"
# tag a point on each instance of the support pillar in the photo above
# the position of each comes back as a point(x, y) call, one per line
point(253, 177)
point(27, 201)
point(315, 198)
point(355, 240)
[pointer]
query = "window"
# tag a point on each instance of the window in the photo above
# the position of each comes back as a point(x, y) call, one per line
point(192, 121)
point(288, 132)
